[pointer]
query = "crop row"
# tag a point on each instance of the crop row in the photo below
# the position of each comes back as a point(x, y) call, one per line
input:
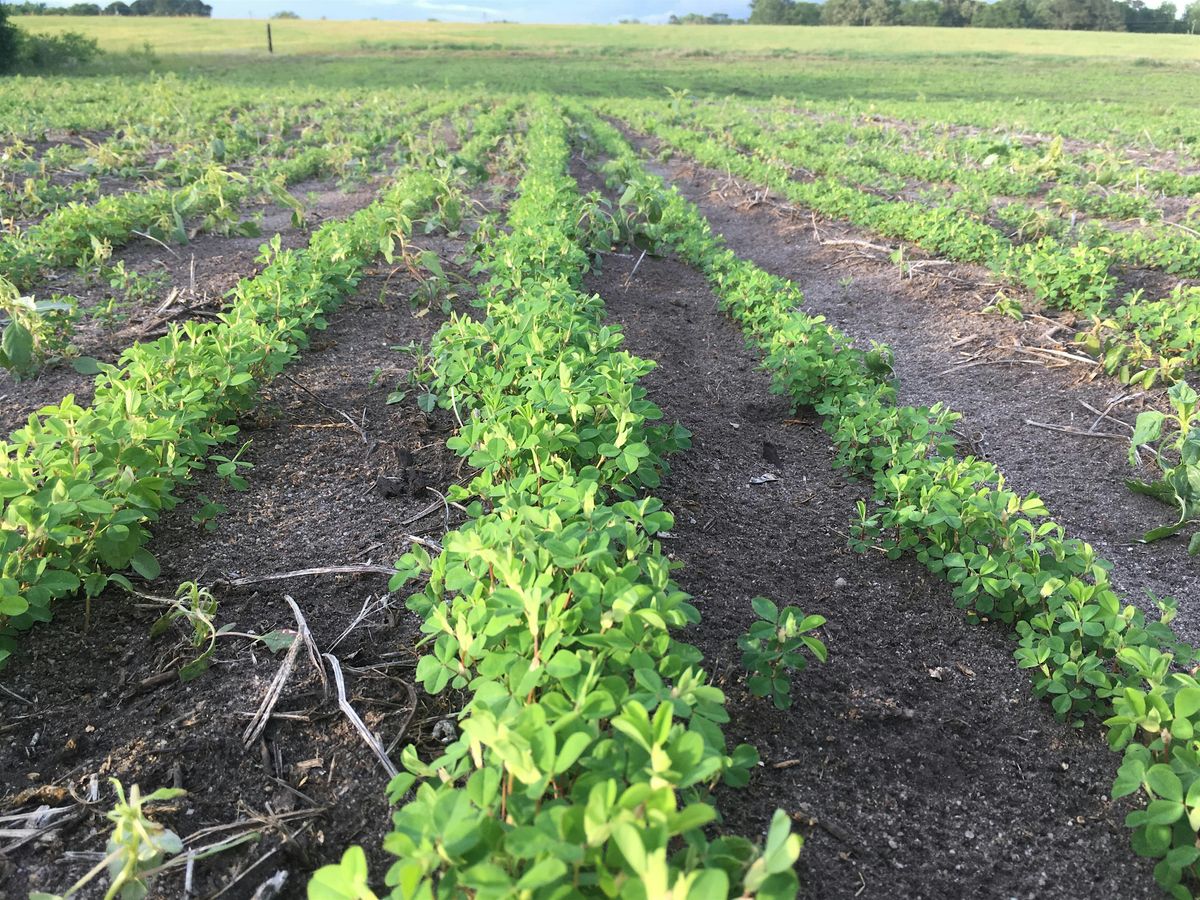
point(1087, 652)
point(1154, 245)
point(75, 233)
point(993, 161)
point(1105, 124)
point(37, 184)
point(591, 737)
point(1139, 339)
point(166, 105)
point(875, 158)
point(35, 331)
point(79, 486)
point(134, 148)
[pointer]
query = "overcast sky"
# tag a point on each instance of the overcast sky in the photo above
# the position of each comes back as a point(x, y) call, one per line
point(578, 11)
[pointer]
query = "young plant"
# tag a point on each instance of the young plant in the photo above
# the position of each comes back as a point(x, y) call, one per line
point(31, 331)
point(198, 608)
point(1179, 485)
point(136, 847)
point(135, 286)
point(206, 516)
point(774, 648)
point(230, 468)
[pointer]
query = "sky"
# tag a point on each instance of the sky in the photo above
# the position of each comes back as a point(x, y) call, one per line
point(576, 11)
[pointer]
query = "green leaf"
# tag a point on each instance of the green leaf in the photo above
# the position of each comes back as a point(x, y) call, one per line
point(1187, 702)
point(86, 365)
point(544, 873)
point(1163, 812)
point(17, 346)
point(194, 669)
point(564, 664)
point(13, 605)
point(346, 880)
point(278, 640)
point(1129, 777)
point(1164, 782)
point(1147, 428)
point(571, 750)
point(765, 608)
point(713, 884)
point(59, 582)
point(11, 487)
point(630, 843)
point(145, 564)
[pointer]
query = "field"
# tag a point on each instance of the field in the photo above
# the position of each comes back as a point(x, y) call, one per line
point(520, 461)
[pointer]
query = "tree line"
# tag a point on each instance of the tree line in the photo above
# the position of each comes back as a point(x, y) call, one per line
point(1069, 15)
point(24, 52)
point(117, 8)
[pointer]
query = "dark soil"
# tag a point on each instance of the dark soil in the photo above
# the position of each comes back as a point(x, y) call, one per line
point(934, 324)
point(916, 762)
point(202, 272)
point(105, 701)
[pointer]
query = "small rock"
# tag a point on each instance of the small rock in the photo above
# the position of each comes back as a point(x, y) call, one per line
point(839, 582)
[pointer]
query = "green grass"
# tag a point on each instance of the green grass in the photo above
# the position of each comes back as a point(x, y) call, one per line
point(1087, 77)
point(207, 36)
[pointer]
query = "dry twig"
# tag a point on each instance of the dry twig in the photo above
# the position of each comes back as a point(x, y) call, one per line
point(1077, 431)
point(350, 421)
point(362, 569)
point(355, 720)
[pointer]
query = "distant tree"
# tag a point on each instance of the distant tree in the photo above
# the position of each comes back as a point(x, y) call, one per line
point(1083, 15)
point(1191, 18)
point(285, 14)
point(768, 12)
point(10, 38)
point(844, 12)
point(170, 8)
point(1007, 14)
point(809, 13)
point(700, 19)
point(117, 8)
point(1140, 17)
point(83, 9)
point(920, 12)
point(882, 12)
point(957, 13)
